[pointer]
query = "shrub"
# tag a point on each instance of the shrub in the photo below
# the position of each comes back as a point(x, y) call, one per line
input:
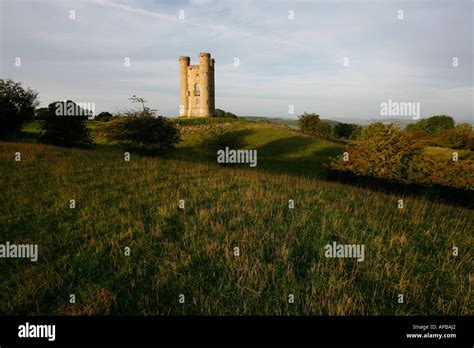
point(146, 134)
point(459, 137)
point(312, 125)
point(17, 105)
point(225, 114)
point(346, 130)
point(438, 170)
point(385, 152)
point(432, 124)
point(382, 151)
point(41, 113)
point(104, 116)
point(68, 131)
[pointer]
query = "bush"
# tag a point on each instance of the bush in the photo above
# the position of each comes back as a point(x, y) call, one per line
point(385, 152)
point(432, 124)
point(438, 170)
point(346, 130)
point(41, 113)
point(68, 131)
point(459, 137)
point(144, 133)
point(382, 151)
point(225, 114)
point(17, 105)
point(104, 116)
point(312, 125)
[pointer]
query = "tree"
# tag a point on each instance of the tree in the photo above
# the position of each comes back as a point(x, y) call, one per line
point(143, 131)
point(146, 134)
point(432, 124)
point(224, 114)
point(17, 105)
point(69, 131)
point(41, 113)
point(146, 111)
point(436, 123)
point(311, 124)
point(346, 130)
point(381, 151)
point(104, 116)
point(459, 137)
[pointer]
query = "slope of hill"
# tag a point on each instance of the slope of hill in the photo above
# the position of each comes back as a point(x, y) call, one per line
point(183, 216)
point(279, 148)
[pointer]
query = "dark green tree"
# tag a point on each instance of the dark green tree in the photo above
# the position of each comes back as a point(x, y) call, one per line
point(146, 134)
point(311, 124)
point(432, 124)
point(143, 130)
point(224, 114)
point(41, 113)
point(62, 130)
point(104, 116)
point(346, 130)
point(17, 105)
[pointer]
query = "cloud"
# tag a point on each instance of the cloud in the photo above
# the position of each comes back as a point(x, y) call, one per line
point(282, 61)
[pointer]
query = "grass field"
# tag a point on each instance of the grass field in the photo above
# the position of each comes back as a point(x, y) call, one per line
point(190, 251)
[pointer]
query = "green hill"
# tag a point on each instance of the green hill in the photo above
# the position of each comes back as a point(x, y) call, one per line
point(190, 251)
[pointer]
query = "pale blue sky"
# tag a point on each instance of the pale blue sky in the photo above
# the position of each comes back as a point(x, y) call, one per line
point(282, 61)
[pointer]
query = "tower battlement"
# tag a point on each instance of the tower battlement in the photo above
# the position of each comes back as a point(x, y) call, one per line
point(197, 86)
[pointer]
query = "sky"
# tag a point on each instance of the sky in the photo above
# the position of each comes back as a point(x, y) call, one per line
point(339, 59)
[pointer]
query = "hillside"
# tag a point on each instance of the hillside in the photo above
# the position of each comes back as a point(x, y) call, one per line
point(190, 251)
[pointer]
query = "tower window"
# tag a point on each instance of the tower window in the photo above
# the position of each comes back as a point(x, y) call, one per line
point(197, 101)
point(197, 89)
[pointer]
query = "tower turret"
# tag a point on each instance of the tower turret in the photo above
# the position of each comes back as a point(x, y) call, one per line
point(183, 84)
point(212, 96)
point(204, 79)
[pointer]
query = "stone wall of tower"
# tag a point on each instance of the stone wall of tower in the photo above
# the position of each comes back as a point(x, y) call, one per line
point(197, 87)
point(183, 84)
point(212, 95)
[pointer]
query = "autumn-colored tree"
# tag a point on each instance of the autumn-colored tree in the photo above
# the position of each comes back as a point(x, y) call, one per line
point(381, 151)
point(386, 152)
point(459, 137)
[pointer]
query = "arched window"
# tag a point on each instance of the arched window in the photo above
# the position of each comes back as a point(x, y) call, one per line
point(197, 89)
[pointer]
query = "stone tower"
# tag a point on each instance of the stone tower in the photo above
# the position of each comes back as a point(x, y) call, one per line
point(197, 86)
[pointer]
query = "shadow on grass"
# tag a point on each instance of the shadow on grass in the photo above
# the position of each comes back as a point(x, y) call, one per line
point(436, 193)
point(285, 146)
point(206, 150)
point(283, 156)
point(275, 157)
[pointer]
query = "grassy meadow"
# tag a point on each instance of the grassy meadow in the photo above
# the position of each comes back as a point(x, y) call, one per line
point(190, 251)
